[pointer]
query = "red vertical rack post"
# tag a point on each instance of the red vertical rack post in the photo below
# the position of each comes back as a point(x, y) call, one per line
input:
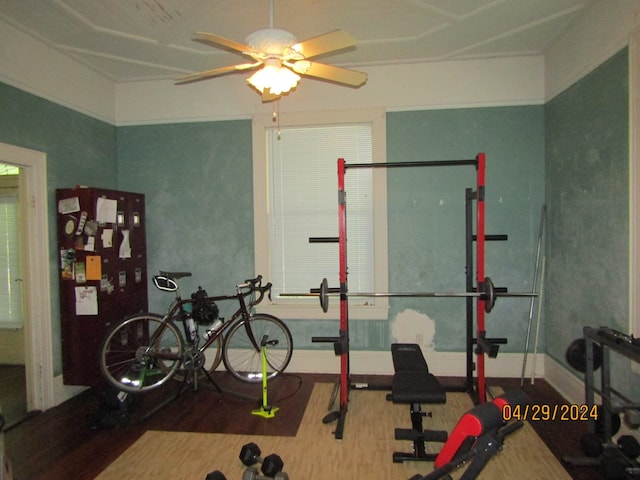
point(344, 306)
point(480, 239)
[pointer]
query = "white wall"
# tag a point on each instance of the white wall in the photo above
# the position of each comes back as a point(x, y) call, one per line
point(509, 81)
point(605, 28)
point(32, 66)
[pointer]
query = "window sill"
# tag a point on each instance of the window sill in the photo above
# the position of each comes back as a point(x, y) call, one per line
point(10, 326)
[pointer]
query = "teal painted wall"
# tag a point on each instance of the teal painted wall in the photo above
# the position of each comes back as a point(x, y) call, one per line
point(426, 214)
point(587, 185)
point(198, 183)
point(80, 151)
point(197, 178)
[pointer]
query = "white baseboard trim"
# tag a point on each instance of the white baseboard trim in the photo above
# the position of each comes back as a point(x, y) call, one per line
point(450, 364)
point(568, 384)
point(62, 392)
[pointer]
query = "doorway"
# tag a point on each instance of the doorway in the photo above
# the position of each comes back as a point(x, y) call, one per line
point(13, 395)
point(35, 280)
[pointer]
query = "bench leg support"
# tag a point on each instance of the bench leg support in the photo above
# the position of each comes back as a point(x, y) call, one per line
point(419, 437)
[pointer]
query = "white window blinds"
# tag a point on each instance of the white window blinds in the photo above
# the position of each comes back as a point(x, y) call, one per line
point(10, 297)
point(303, 203)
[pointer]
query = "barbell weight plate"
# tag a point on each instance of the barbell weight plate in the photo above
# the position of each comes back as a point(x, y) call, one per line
point(324, 295)
point(489, 295)
point(576, 355)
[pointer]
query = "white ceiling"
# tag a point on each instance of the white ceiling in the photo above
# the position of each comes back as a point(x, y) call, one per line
point(129, 40)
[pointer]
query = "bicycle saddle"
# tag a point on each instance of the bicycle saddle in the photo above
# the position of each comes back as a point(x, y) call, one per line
point(175, 275)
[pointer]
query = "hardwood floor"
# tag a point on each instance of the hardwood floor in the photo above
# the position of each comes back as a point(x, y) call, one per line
point(13, 394)
point(63, 443)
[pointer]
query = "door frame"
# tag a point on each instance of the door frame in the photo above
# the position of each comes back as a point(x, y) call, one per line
point(36, 284)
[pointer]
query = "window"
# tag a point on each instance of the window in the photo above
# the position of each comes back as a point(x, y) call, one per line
point(10, 285)
point(296, 185)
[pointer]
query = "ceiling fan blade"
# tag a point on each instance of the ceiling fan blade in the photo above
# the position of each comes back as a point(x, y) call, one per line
point(328, 42)
point(218, 41)
point(194, 77)
point(352, 78)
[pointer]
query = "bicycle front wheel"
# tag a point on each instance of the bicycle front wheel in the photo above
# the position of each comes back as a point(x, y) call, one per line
point(242, 353)
point(141, 353)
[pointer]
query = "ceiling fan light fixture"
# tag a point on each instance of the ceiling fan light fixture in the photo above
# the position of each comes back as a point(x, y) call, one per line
point(271, 41)
point(274, 77)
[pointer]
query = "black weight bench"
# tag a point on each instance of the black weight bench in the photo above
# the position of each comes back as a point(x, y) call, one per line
point(414, 385)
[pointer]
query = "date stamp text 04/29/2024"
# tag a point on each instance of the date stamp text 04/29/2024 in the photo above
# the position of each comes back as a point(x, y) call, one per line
point(542, 412)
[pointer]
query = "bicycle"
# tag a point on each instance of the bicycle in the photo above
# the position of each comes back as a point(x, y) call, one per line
point(146, 350)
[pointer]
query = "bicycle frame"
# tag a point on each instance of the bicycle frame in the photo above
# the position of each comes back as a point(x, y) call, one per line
point(177, 311)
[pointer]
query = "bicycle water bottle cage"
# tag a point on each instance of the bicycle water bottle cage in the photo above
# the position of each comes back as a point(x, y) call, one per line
point(204, 311)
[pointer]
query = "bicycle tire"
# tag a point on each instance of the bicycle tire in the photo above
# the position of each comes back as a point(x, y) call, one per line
point(128, 360)
point(244, 361)
point(212, 358)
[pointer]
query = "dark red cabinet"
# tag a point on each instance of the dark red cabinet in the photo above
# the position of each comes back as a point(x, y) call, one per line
point(102, 272)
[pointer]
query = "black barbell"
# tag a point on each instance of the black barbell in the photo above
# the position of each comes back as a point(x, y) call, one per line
point(486, 291)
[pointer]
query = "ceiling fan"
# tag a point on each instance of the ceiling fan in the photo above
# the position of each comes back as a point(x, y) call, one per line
point(282, 58)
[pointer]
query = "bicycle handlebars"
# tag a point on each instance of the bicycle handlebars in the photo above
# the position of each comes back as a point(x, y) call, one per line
point(255, 285)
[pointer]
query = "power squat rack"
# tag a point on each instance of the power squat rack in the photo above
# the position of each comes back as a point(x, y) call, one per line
point(483, 345)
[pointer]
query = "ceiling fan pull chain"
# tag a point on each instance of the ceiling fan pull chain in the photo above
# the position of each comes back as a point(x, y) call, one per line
point(276, 116)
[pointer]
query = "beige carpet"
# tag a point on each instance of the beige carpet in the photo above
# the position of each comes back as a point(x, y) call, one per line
point(364, 452)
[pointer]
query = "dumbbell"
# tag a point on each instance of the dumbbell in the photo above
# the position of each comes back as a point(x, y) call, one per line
point(591, 444)
point(215, 475)
point(251, 473)
point(627, 444)
point(250, 455)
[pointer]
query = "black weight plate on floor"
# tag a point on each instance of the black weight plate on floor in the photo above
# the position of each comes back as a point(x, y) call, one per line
point(576, 355)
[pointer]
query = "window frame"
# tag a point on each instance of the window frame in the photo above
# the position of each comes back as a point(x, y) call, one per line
point(634, 188)
point(295, 308)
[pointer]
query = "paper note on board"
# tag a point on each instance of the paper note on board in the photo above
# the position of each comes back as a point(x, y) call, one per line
point(125, 246)
point(106, 210)
point(86, 301)
point(107, 238)
point(81, 276)
point(94, 267)
point(69, 205)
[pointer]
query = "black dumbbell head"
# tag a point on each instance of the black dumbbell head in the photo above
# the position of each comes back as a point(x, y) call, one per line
point(250, 454)
point(629, 446)
point(272, 464)
point(215, 475)
point(591, 445)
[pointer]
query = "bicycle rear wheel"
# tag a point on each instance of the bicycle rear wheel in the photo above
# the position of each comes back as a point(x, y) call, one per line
point(141, 353)
point(242, 355)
